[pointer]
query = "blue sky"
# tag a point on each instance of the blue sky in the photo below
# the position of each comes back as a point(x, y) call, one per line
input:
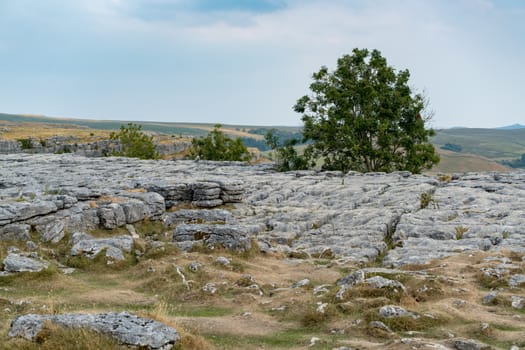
point(247, 62)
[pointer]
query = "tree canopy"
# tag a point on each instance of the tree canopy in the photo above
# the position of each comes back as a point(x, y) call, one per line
point(363, 116)
point(218, 146)
point(134, 143)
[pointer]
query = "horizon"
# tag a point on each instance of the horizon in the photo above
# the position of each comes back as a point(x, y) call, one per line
point(247, 62)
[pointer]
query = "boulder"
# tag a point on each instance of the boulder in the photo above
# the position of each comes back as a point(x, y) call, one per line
point(15, 232)
point(91, 247)
point(52, 232)
point(126, 328)
point(234, 237)
point(19, 263)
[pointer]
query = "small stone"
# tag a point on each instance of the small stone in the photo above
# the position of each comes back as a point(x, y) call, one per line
point(389, 311)
point(194, 266)
point(221, 260)
point(352, 279)
point(516, 280)
point(379, 325)
point(517, 302)
point(301, 283)
point(209, 288)
point(489, 298)
point(314, 341)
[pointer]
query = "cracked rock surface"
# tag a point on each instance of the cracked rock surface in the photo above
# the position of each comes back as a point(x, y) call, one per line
point(356, 216)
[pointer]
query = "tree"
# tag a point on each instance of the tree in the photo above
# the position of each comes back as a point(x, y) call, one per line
point(134, 143)
point(217, 146)
point(363, 116)
point(286, 157)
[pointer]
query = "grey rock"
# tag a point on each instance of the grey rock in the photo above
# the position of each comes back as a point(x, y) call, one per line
point(194, 266)
point(469, 344)
point(52, 232)
point(91, 247)
point(19, 263)
point(235, 237)
point(197, 216)
point(135, 210)
point(15, 232)
point(380, 325)
point(352, 279)
point(516, 280)
point(126, 328)
point(153, 201)
point(221, 260)
point(517, 302)
point(381, 282)
point(112, 216)
point(302, 283)
point(489, 298)
point(389, 311)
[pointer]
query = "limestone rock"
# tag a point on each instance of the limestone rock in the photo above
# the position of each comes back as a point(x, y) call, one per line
point(15, 232)
point(91, 247)
point(389, 311)
point(235, 237)
point(19, 263)
point(469, 344)
point(126, 328)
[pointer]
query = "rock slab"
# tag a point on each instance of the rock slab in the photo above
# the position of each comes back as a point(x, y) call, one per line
point(126, 328)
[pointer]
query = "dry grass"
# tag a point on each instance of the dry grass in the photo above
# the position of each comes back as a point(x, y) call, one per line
point(237, 316)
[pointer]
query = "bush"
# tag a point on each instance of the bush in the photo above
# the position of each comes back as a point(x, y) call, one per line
point(217, 146)
point(134, 143)
point(285, 154)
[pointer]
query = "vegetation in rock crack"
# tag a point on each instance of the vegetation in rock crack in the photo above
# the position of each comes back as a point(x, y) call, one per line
point(364, 116)
point(426, 199)
point(218, 146)
point(134, 143)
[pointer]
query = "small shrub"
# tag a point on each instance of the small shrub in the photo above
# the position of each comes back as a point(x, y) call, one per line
point(134, 143)
point(218, 146)
point(426, 199)
point(26, 143)
point(460, 231)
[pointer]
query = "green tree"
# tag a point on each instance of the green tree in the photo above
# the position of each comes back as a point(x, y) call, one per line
point(285, 154)
point(218, 146)
point(363, 116)
point(134, 143)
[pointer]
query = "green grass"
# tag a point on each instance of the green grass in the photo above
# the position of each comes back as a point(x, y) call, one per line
point(490, 143)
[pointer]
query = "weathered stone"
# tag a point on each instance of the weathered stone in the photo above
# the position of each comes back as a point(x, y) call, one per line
point(381, 282)
point(15, 232)
point(52, 232)
point(469, 344)
point(91, 247)
point(19, 263)
point(233, 237)
point(197, 216)
point(135, 211)
point(516, 280)
point(489, 298)
point(112, 216)
point(124, 327)
point(389, 311)
point(352, 279)
point(517, 302)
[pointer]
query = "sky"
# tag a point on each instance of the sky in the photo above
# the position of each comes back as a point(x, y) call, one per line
point(247, 62)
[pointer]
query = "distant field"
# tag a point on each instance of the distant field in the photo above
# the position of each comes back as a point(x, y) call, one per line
point(178, 129)
point(453, 162)
point(496, 144)
point(480, 148)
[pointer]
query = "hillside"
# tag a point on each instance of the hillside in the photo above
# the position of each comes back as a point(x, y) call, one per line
point(480, 148)
point(495, 144)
